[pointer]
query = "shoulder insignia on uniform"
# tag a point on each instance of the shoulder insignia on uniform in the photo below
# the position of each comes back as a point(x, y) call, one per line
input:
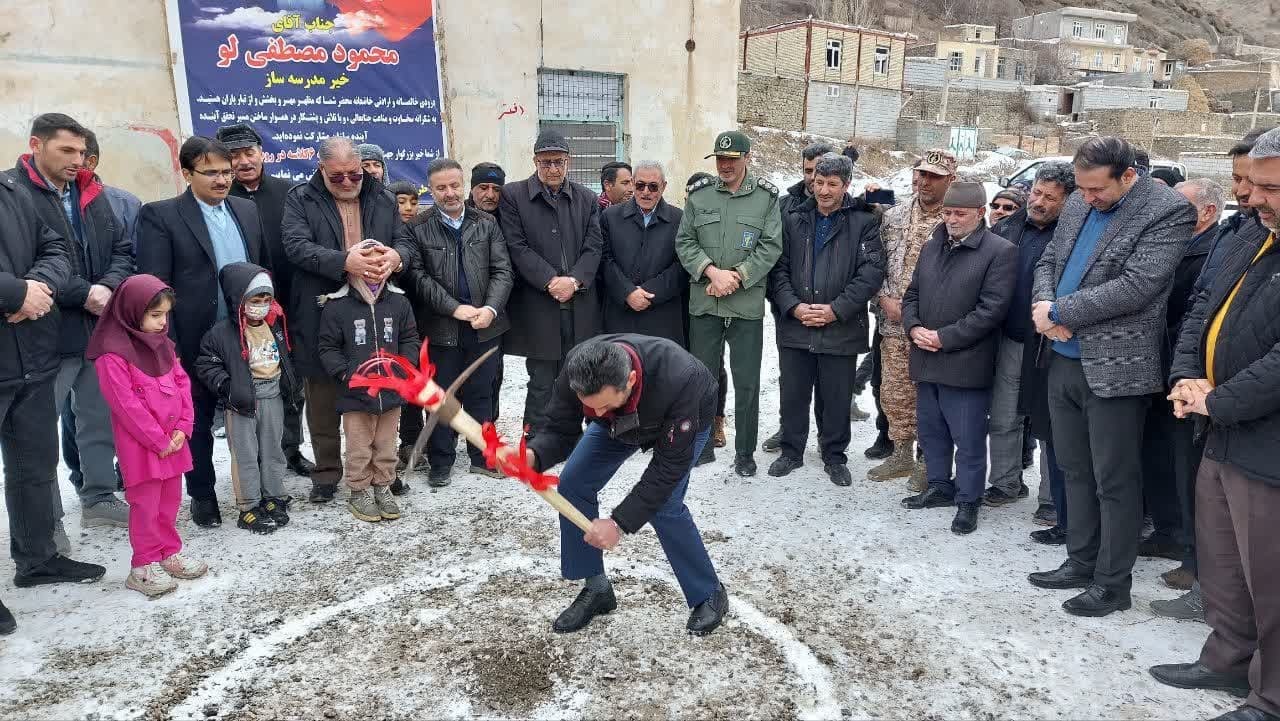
point(698, 185)
point(773, 189)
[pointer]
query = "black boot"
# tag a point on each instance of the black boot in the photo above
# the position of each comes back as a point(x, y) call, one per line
point(300, 464)
point(773, 443)
point(839, 474)
point(1195, 675)
point(1055, 536)
point(585, 607)
point(706, 616)
point(931, 498)
point(398, 486)
point(1098, 600)
point(744, 465)
point(966, 520)
point(205, 513)
point(784, 465)
point(881, 449)
point(708, 456)
point(59, 569)
point(1246, 713)
point(439, 477)
point(1068, 575)
point(322, 492)
point(7, 622)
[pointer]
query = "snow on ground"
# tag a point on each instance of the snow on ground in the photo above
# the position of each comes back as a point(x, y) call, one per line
point(842, 605)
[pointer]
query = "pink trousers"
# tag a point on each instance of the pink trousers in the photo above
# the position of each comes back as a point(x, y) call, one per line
point(153, 519)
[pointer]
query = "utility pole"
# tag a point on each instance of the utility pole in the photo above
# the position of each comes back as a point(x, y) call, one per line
point(1257, 96)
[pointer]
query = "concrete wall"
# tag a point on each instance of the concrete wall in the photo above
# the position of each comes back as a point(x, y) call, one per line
point(770, 101)
point(831, 115)
point(861, 112)
point(675, 100)
point(1215, 166)
point(998, 111)
point(917, 135)
point(878, 113)
point(104, 64)
point(1099, 97)
point(932, 73)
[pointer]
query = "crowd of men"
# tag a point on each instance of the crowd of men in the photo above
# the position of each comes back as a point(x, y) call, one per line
point(1096, 312)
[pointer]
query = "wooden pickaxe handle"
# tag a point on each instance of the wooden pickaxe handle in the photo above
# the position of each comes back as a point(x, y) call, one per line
point(470, 429)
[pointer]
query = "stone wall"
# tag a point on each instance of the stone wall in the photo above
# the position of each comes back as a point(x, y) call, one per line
point(1144, 126)
point(771, 101)
point(999, 111)
point(1215, 166)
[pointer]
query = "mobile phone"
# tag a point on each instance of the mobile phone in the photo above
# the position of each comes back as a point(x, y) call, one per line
point(883, 196)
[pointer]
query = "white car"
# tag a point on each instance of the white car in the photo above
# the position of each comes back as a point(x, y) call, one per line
point(1027, 172)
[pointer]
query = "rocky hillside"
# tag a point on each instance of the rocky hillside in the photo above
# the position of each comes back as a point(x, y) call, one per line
point(1163, 22)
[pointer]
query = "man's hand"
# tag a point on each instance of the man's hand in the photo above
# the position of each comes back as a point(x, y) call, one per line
point(892, 308)
point(388, 259)
point(1040, 316)
point(562, 288)
point(926, 339)
point(465, 313)
point(1059, 333)
point(96, 301)
point(364, 262)
point(639, 299)
point(38, 301)
point(175, 444)
point(484, 318)
point(801, 312)
point(818, 316)
point(1188, 396)
point(722, 282)
point(604, 534)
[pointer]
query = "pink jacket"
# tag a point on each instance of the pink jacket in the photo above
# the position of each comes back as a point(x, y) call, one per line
point(145, 411)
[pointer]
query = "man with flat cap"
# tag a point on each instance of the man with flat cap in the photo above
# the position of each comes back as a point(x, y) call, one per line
point(730, 237)
point(953, 311)
point(267, 192)
point(552, 228)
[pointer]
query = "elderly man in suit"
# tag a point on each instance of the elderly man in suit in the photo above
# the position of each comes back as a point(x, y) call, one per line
point(1101, 288)
point(185, 241)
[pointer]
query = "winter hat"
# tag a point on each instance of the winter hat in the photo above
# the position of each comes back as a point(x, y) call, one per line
point(119, 330)
point(369, 151)
point(965, 195)
point(1170, 176)
point(367, 289)
point(549, 141)
point(261, 283)
point(1014, 193)
point(488, 173)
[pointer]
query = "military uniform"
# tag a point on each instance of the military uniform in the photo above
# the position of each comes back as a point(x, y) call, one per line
point(903, 232)
point(739, 231)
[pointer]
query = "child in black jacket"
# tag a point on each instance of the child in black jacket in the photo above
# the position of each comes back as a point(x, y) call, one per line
point(244, 359)
point(356, 322)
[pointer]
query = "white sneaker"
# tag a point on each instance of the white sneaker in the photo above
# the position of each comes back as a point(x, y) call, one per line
point(150, 580)
point(179, 566)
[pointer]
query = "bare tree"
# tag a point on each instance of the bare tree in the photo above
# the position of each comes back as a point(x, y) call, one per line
point(1052, 66)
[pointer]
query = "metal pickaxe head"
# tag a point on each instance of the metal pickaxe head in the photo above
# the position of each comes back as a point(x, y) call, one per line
point(447, 409)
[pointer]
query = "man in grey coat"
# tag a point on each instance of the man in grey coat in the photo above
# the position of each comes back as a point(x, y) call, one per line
point(1100, 292)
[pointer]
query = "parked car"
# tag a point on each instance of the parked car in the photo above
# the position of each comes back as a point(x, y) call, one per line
point(1026, 174)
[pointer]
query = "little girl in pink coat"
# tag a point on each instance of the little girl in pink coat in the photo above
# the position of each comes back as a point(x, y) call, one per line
point(151, 415)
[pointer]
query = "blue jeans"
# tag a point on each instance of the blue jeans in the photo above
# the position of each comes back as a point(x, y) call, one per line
point(951, 422)
point(591, 465)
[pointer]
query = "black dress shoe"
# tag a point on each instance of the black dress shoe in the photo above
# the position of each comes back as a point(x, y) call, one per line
point(205, 513)
point(1247, 713)
point(1097, 600)
point(1055, 536)
point(784, 465)
point(931, 498)
point(399, 487)
point(322, 492)
point(1068, 575)
point(744, 465)
point(881, 449)
point(773, 443)
point(706, 616)
point(839, 474)
point(7, 622)
point(300, 464)
point(708, 455)
point(1196, 675)
point(966, 520)
point(59, 569)
point(585, 607)
point(1159, 545)
point(439, 477)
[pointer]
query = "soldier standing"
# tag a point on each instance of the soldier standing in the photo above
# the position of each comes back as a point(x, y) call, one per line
point(903, 233)
point(729, 239)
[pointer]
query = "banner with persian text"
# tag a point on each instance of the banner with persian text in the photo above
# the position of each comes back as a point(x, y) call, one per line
point(298, 71)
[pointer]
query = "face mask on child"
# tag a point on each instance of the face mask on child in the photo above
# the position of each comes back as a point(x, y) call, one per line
point(256, 311)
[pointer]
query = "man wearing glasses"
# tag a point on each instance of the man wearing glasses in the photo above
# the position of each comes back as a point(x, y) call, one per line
point(185, 241)
point(552, 228)
point(324, 220)
point(1006, 203)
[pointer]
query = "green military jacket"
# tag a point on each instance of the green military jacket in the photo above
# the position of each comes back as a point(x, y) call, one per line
point(739, 231)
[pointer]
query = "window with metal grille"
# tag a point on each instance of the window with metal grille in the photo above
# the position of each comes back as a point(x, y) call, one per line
point(1077, 29)
point(585, 107)
point(1100, 31)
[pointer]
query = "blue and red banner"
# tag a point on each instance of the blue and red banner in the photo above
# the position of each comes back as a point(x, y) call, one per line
point(298, 71)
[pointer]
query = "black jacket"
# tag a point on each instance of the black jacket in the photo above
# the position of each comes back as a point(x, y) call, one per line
point(1182, 296)
point(547, 239)
point(105, 258)
point(352, 331)
point(29, 250)
point(314, 242)
point(1244, 406)
point(963, 293)
point(795, 196)
point(174, 246)
point(846, 275)
point(269, 197)
point(223, 365)
point(640, 257)
point(430, 254)
point(677, 400)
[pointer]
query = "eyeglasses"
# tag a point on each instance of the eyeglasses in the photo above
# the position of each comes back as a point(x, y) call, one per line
point(1001, 206)
point(549, 164)
point(215, 174)
point(339, 178)
point(654, 187)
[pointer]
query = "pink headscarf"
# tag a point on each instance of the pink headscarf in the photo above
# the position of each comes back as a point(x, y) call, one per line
point(119, 329)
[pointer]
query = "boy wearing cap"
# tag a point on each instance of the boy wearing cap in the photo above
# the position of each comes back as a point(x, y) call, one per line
point(952, 311)
point(244, 360)
point(730, 237)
